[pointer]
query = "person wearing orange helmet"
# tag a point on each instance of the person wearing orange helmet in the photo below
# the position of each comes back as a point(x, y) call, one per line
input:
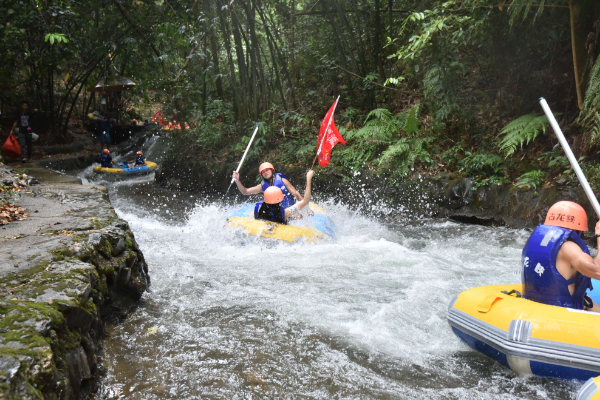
point(272, 209)
point(139, 161)
point(556, 264)
point(106, 160)
point(270, 178)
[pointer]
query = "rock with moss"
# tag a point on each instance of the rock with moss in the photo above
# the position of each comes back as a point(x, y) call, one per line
point(52, 316)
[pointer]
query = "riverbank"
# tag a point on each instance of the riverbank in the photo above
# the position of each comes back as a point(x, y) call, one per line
point(65, 272)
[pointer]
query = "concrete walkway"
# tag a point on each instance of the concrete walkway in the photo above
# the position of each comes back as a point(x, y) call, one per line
point(59, 209)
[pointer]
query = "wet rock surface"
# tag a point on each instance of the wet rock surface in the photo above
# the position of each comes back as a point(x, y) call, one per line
point(78, 268)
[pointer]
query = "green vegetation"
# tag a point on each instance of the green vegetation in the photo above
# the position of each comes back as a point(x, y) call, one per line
point(521, 131)
point(531, 179)
point(428, 85)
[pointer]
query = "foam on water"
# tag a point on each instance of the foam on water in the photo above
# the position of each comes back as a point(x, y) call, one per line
point(362, 316)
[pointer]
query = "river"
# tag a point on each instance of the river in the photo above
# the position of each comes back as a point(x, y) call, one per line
point(359, 317)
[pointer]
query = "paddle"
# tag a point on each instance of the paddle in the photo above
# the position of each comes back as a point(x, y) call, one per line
point(242, 160)
point(571, 156)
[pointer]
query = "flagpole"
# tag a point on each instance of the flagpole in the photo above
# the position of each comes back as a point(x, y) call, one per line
point(325, 133)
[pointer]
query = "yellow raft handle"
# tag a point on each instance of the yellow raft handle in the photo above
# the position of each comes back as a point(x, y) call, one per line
point(490, 300)
point(487, 303)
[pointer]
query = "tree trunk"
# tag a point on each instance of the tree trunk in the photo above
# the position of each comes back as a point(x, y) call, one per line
point(357, 46)
point(377, 43)
point(51, 89)
point(68, 118)
point(87, 108)
point(272, 50)
point(215, 55)
point(390, 17)
point(226, 39)
point(578, 47)
point(256, 49)
point(293, 53)
point(251, 46)
point(243, 71)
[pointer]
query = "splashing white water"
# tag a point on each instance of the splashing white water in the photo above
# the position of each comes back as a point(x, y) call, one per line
point(362, 316)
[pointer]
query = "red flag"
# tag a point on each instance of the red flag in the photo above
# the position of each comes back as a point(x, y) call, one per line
point(332, 137)
point(159, 117)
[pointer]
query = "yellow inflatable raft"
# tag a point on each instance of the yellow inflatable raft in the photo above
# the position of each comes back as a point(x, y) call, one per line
point(528, 337)
point(125, 170)
point(589, 391)
point(316, 227)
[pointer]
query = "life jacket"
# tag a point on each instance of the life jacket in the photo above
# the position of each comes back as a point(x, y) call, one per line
point(140, 160)
point(288, 199)
point(267, 213)
point(105, 161)
point(541, 280)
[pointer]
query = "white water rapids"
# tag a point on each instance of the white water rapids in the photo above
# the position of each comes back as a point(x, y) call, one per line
point(363, 316)
point(359, 317)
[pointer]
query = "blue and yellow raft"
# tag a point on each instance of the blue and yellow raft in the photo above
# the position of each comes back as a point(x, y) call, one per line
point(528, 337)
point(317, 226)
point(125, 170)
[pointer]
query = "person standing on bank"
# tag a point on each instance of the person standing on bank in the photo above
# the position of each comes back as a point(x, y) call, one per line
point(23, 120)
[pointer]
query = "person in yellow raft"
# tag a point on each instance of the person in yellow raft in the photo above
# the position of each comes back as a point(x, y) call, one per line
point(272, 209)
point(556, 264)
point(270, 179)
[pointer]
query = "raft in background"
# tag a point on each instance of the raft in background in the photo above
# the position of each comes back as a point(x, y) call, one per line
point(317, 226)
point(527, 337)
point(125, 170)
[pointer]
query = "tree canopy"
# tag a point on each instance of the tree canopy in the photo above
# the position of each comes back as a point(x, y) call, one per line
point(470, 66)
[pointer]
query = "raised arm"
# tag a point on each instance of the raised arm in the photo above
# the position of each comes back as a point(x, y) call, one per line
point(304, 202)
point(292, 189)
point(243, 190)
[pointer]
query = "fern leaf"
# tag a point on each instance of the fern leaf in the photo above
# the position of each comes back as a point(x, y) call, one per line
point(589, 116)
point(382, 114)
point(524, 6)
point(412, 122)
point(522, 131)
point(400, 149)
point(531, 179)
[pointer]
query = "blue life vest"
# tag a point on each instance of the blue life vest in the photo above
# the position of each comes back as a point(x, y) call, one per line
point(140, 160)
point(272, 216)
point(105, 160)
point(288, 199)
point(541, 280)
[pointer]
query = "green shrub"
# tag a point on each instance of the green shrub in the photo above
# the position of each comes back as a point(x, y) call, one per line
point(481, 164)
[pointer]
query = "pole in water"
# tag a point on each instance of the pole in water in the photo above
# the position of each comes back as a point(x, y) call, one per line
point(563, 142)
point(225, 195)
point(242, 160)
